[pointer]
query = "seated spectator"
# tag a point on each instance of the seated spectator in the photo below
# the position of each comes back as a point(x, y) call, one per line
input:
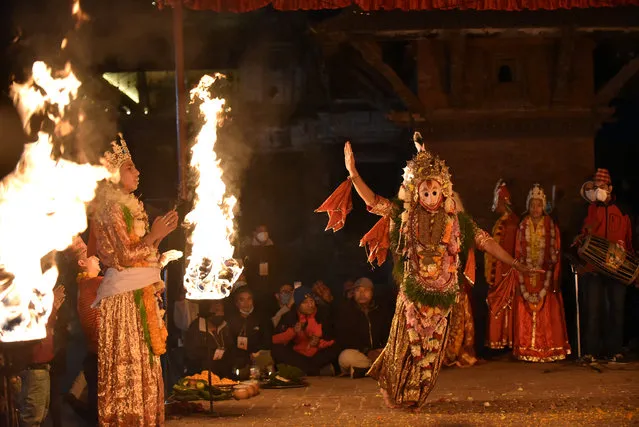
point(251, 334)
point(349, 288)
point(209, 342)
point(284, 297)
point(322, 295)
point(327, 307)
point(184, 314)
point(363, 330)
point(300, 340)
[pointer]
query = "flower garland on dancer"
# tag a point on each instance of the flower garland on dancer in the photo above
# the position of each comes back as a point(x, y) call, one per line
point(424, 233)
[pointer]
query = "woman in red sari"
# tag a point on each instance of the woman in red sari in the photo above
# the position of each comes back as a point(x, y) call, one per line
point(540, 325)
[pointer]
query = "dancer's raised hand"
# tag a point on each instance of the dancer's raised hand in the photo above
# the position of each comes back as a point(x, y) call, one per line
point(349, 159)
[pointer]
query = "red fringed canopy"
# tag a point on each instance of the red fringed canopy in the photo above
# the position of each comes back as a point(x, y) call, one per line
point(406, 5)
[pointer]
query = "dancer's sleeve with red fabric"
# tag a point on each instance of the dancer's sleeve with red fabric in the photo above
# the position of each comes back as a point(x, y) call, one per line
point(377, 241)
point(338, 206)
point(481, 237)
point(382, 206)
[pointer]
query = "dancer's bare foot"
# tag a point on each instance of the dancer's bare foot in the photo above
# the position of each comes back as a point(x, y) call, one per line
point(387, 400)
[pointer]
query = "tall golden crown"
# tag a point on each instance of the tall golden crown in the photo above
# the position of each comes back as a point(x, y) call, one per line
point(118, 155)
point(423, 166)
point(536, 192)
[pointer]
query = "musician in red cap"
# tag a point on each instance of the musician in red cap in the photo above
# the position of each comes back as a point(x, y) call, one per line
point(604, 296)
point(501, 292)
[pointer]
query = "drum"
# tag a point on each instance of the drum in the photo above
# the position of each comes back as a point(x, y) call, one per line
point(609, 258)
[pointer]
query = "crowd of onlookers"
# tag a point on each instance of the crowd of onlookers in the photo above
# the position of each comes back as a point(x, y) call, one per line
point(264, 323)
point(304, 326)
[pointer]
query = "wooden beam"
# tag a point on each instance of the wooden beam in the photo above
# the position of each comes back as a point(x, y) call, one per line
point(372, 54)
point(421, 22)
point(563, 66)
point(457, 67)
point(615, 84)
point(373, 93)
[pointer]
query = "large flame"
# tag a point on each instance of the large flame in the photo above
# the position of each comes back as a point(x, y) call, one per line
point(211, 270)
point(42, 207)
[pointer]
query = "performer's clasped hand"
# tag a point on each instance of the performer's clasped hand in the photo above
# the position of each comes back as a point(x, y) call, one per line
point(164, 225)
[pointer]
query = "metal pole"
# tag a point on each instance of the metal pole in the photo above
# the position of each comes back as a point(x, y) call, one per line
point(209, 364)
point(574, 270)
point(180, 97)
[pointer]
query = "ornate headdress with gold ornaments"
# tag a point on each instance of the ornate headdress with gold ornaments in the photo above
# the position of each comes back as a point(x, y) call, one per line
point(118, 154)
point(536, 192)
point(423, 166)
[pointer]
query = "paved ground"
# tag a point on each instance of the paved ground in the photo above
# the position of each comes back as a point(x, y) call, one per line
point(495, 393)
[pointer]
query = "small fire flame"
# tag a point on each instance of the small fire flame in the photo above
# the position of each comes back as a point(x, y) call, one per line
point(78, 14)
point(211, 270)
point(42, 207)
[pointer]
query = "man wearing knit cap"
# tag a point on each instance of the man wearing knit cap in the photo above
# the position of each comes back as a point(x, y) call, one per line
point(362, 330)
point(300, 339)
point(604, 296)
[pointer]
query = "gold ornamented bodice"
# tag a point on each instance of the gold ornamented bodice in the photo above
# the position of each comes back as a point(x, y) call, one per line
point(430, 230)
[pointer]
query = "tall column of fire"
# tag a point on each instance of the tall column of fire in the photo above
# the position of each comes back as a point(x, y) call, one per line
point(211, 270)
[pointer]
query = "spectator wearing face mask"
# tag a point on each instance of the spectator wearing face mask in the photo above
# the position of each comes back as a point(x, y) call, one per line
point(300, 338)
point(363, 330)
point(251, 333)
point(284, 297)
point(603, 313)
point(209, 342)
point(261, 266)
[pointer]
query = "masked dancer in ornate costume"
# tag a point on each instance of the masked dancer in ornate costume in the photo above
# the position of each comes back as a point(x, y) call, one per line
point(540, 328)
point(425, 233)
point(501, 291)
point(132, 334)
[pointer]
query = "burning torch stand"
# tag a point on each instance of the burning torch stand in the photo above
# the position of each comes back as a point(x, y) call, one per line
point(209, 357)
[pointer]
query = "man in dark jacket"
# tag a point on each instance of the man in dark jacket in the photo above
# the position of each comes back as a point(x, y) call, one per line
point(251, 333)
point(209, 342)
point(363, 329)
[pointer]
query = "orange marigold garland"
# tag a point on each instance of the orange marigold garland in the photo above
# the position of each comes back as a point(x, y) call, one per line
point(155, 319)
point(155, 332)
